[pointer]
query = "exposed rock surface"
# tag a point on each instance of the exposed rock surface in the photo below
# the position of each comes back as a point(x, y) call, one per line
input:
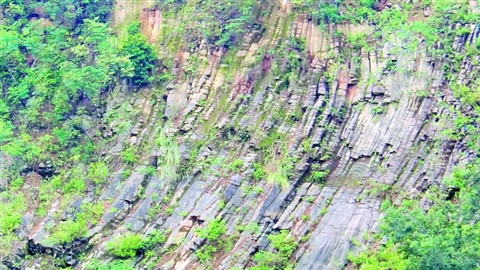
point(326, 125)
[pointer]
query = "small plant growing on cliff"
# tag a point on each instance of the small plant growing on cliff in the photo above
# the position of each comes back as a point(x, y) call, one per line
point(258, 171)
point(236, 165)
point(214, 230)
point(169, 165)
point(97, 172)
point(319, 176)
point(129, 156)
point(377, 110)
point(279, 172)
point(205, 253)
point(283, 242)
point(125, 246)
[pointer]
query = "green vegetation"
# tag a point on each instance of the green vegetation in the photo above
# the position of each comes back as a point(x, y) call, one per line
point(127, 246)
point(96, 264)
point(258, 171)
point(168, 166)
point(141, 55)
point(444, 237)
point(60, 64)
point(214, 230)
point(58, 59)
point(70, 229)
point(285, 244)
point(236, 165)
point(379, 109)
point(213, 233)
point(319, 177)
point(12, 207)
point(219, 22)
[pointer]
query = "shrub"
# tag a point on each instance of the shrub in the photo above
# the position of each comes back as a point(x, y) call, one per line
point(214, 230)
point(125, 246)
point(258, 171)
point(129, 156)
point(11, 210)
point(153, 238)
point(319, 176)
point(377, 110)
point(205, 253)
point(98, 172)
point(236, 165)
point(283, 242)
point(141, 55)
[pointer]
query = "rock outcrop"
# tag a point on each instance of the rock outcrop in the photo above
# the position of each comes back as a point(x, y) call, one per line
point(373, 132)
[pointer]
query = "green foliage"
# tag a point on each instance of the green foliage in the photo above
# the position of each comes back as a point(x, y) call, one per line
point(328, 13)
point(69, 230)
point(141, 55)
point(6, 132)
point(96, 264)
point(236, 165)
point(279, 172)
point(214, 230)
point(319, 176)
point(285, 244)
point(377, 110)
point(152, 239)
point(205, 253)
point(444, 237)
point(125, 246)
point(129, 155)
point(258, 171)
point(75, 184)
point(169, 163)
point(12, 207)
point(466, 94)
point(98, 172)
point(386, 258)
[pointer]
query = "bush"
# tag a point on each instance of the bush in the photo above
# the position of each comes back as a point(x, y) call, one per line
point(205, 253)
point(11, 211)
point(283, 242)
point(236, 165)
point(444, 237)
point(125, 246)
point(258, 171)
point(98, 172)
point(214, 230)
point(140, 53)
point(319, 176)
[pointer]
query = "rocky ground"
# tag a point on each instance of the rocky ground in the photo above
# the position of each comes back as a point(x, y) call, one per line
point(374, 131)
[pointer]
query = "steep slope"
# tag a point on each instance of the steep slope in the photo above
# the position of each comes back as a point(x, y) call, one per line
point(294, 128)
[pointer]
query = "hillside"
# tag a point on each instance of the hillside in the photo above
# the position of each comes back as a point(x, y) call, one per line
point(218, 134)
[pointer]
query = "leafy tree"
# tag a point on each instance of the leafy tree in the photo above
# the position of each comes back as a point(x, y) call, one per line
point(140, 53)
point(447, 236)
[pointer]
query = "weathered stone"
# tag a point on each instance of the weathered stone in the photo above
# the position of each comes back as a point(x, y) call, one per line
point(378, 90)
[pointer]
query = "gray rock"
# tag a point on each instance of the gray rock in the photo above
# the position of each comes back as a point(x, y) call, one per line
point(378, 90)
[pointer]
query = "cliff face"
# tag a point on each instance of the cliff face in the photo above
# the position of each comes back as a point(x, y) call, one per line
point(364, 122)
